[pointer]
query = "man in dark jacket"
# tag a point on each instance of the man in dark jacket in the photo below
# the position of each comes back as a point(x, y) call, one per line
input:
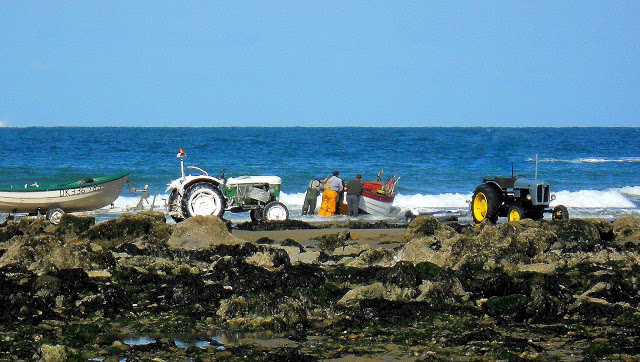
point(354, 192)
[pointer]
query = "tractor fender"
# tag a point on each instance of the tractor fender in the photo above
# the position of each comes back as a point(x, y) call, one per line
point(495, 185)
point(183, 184)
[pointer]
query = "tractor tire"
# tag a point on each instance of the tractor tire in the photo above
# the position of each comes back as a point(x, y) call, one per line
point(560, 212)
point(276, 211)
point(173, 206)
point(256, 215)
point(203, 198)
point(516, 213)
point(486, 203)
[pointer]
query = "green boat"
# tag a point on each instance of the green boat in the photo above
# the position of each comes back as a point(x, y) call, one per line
point(54, 200)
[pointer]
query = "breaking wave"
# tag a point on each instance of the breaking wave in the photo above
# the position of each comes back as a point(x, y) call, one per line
point(612, 198)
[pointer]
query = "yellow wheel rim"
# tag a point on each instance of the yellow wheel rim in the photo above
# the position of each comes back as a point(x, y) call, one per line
point(514, 215)
point(480, 206)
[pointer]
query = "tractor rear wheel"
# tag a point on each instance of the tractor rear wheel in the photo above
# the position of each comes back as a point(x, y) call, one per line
point(276, 211)
point(560, 212)
point(516, 213)
point(485, 203)
point(203, 198)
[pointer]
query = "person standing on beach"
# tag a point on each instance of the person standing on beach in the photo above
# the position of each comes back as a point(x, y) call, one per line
point(311, 197)
point(354, 192)
point(330, 195)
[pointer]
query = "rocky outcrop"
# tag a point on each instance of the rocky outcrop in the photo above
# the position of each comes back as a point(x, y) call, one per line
point(530, 289)
point(201, 232)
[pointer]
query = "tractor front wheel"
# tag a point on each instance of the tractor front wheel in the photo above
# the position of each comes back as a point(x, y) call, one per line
point(485, 203)
point(256, 215)
point(516, 213)
point(203, 198)
point(173, 206)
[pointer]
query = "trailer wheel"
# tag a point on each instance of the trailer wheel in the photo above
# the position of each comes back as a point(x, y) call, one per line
point(560, 212)
point(485, 203)
point(516, 213)
point(54, 214)
point(276, 211)
point(203, 198)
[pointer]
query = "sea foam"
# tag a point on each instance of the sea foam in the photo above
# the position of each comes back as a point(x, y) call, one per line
point(595, 200)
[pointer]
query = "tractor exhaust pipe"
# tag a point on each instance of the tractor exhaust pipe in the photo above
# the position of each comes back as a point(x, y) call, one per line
point(536, 176)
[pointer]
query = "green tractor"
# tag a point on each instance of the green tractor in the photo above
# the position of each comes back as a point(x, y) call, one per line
point(515, 197)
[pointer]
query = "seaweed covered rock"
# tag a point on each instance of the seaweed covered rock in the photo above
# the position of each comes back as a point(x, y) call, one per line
point(201, 232)
point(332, 241)
point(28, 226)
point(519, 242)
point(627, 229)
point(143, 227)
point(72, 225)
point(49, 353)
point(46, 253)
point(274, 225)
point(379, 257)
point(574, 230)
point(421, 226)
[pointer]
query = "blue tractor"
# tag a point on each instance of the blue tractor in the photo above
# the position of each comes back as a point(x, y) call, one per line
point(515, 197)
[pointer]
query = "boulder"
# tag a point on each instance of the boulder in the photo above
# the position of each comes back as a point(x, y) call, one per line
point(574, 230)
point(49, 353)
point(427, 226)
point(627, 229)
point(201, 232)
point(381, 257)
point(73, 225)
point(128, 228)
point(271, 259)
point(330, 242)
point(421, 250)
point(377, 291)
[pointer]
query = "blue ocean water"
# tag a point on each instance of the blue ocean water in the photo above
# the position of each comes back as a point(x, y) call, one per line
point(593, 171)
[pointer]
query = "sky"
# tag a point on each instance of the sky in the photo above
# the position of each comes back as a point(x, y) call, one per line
point(320, 63)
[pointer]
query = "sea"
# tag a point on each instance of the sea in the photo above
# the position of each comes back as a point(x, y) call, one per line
point(593, 171)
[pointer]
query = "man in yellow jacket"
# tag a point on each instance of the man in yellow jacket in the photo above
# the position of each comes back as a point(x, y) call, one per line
point(330, 195)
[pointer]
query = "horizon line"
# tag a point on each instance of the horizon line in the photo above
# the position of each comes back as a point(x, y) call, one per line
point(318, 127)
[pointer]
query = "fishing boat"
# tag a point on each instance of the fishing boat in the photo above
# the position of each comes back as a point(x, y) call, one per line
point(377, 198)
point(54, 200)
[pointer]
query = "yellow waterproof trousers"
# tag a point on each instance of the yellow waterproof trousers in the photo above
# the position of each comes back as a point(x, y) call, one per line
point(328, 207)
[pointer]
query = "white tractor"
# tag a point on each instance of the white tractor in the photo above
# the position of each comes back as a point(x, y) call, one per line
point(192, 195)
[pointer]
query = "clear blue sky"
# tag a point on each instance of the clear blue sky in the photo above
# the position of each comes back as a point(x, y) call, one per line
point(320, 63)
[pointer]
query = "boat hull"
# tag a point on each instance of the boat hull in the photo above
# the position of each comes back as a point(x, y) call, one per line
point(71, 197)
point(376, 204)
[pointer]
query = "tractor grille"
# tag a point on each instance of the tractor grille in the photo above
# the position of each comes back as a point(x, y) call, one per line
point(543, 193)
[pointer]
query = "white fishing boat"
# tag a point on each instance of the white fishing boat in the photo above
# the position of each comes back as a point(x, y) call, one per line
point(377, 198)
point(54, 200)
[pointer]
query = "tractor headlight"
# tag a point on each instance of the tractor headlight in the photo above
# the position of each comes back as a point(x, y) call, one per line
point(553, 197)
point(529, 197)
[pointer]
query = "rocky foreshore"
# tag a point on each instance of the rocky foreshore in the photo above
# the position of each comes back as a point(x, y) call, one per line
point(547, 290)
